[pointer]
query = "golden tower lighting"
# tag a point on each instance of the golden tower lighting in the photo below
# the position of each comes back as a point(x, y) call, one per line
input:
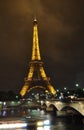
point(36, 77)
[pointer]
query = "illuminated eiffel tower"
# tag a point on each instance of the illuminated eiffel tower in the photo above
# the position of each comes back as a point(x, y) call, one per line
point(36, 77)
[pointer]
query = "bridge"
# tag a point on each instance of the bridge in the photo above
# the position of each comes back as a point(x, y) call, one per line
point(49, 105)
point(75, 105)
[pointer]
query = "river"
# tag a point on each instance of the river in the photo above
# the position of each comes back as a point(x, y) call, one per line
point(38, 120)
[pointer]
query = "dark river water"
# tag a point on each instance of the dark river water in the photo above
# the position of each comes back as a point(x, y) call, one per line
point(39, 120)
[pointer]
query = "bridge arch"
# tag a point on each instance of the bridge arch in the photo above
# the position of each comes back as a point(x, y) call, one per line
point(53, 107)
point(36, 87)
point(71, 110)
point(44, 105)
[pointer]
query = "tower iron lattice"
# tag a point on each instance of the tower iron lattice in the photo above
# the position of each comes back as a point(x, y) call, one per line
point(36, 77)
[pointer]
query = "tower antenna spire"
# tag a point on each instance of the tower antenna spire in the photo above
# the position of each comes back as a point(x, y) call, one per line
point(34, 8)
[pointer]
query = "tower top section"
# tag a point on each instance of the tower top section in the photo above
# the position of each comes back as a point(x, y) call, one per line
point(35, 47)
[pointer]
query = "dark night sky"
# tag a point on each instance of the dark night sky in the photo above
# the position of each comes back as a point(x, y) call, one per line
point(61, 36)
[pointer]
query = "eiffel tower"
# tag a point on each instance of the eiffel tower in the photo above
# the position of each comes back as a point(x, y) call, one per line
point(36, 77)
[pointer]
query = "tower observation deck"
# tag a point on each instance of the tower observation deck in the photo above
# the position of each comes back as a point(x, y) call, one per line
point(36, 77)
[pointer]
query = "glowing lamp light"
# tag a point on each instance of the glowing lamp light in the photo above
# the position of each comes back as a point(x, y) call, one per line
point(57, 90)
point(65, 88)
point(40, 123)
point(46, 122)
point(77, 85)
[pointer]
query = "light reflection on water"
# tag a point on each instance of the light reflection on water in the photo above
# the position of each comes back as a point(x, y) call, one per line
point(39, 120)
point(43, 128)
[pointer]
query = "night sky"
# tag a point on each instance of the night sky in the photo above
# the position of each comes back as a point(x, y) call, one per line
point(61, 38)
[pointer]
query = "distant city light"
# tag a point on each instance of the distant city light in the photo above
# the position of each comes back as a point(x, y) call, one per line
point(57, 90)
point(4, 103)
point(65, 88)
point(68, 92)
point(1, 102)
point(17, 96)
point(77, 85)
